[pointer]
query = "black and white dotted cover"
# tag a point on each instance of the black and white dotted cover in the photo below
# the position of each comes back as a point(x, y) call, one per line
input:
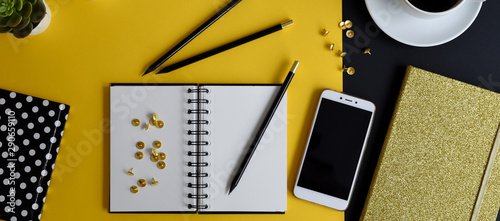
point(30, 134)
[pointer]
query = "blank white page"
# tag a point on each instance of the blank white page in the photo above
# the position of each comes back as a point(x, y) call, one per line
point(129, 102)
point(236, 113)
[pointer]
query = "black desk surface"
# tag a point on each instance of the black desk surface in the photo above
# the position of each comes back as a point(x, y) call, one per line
point(473, 57)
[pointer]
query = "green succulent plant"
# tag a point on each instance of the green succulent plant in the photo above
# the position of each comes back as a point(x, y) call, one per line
point(19, 17)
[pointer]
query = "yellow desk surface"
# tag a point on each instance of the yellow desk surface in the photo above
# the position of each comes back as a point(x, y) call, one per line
point(90, 44)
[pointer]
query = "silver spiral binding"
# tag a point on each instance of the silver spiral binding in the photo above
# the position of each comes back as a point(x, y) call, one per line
point(191, 206)
point(197, 174)
point(200, 164)
point(197, 153)
point(203, 132)
point(193, 185)
point(200, 152)
point(198, 101)
point(195, 196)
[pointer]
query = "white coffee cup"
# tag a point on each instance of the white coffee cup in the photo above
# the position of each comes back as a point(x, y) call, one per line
point(410, 8)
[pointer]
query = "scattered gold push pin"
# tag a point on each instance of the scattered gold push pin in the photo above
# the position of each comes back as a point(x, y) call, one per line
point(157, 144)
point(142, 182)
point(160, 124)
point(348, 23)
point(342, 25)
point(140, 145)
point(367, 51)
point(154, 158)
point(130, 172)
point(349, 70)
point(152, 122)
point(325, 32)
point(349, 33)
point(139, 155)
point(134, 189)
point(155, 117)
point(161, 164)
point(342, 54)
point(154, 182)
point(148, 126)
point(331, 46)
point(136, 122)
point(154, 152)
point(162, 156)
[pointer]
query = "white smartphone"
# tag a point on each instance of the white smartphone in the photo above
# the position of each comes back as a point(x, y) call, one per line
point(334, 150)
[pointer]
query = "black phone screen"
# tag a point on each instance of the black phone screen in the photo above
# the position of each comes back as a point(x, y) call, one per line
point(334, 148)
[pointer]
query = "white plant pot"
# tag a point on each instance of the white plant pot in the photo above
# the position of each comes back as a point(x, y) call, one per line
point(44, 24)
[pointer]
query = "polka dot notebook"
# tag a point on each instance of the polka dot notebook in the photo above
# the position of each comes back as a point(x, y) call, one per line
point(30, 134)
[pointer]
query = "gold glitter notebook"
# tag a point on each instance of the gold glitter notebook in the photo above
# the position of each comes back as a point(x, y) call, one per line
point(436, 153)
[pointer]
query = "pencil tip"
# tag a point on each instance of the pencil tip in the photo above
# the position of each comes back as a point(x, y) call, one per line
point(230, 190)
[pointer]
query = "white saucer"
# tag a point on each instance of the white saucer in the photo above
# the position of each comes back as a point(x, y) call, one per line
point(408, 29)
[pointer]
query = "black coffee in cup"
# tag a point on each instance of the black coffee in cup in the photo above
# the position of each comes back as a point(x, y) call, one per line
point(434, 5)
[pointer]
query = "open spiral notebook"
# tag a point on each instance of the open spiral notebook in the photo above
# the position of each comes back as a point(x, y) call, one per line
point(206, 134)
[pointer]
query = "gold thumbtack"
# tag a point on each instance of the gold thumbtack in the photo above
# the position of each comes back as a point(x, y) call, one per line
point(160, 124)
point(349, 70)
point(348, 23)
point(139, 155)
point(345, 24)
point(155, 117)
point(152, 122)
point(142, 182)
point(157, 144)
point(134, 189)
point(130, 172)
point(342, 54)
point(162, 156)
point(331, 47)
point(342, 25)
point(154, 158)
point(154, 152)
point(349, 34)
point(325, 32)
point(367, 51)
point(136, 122)
point(140, 145)
point(148, 126)
point(161, 164)
point(154, 182)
